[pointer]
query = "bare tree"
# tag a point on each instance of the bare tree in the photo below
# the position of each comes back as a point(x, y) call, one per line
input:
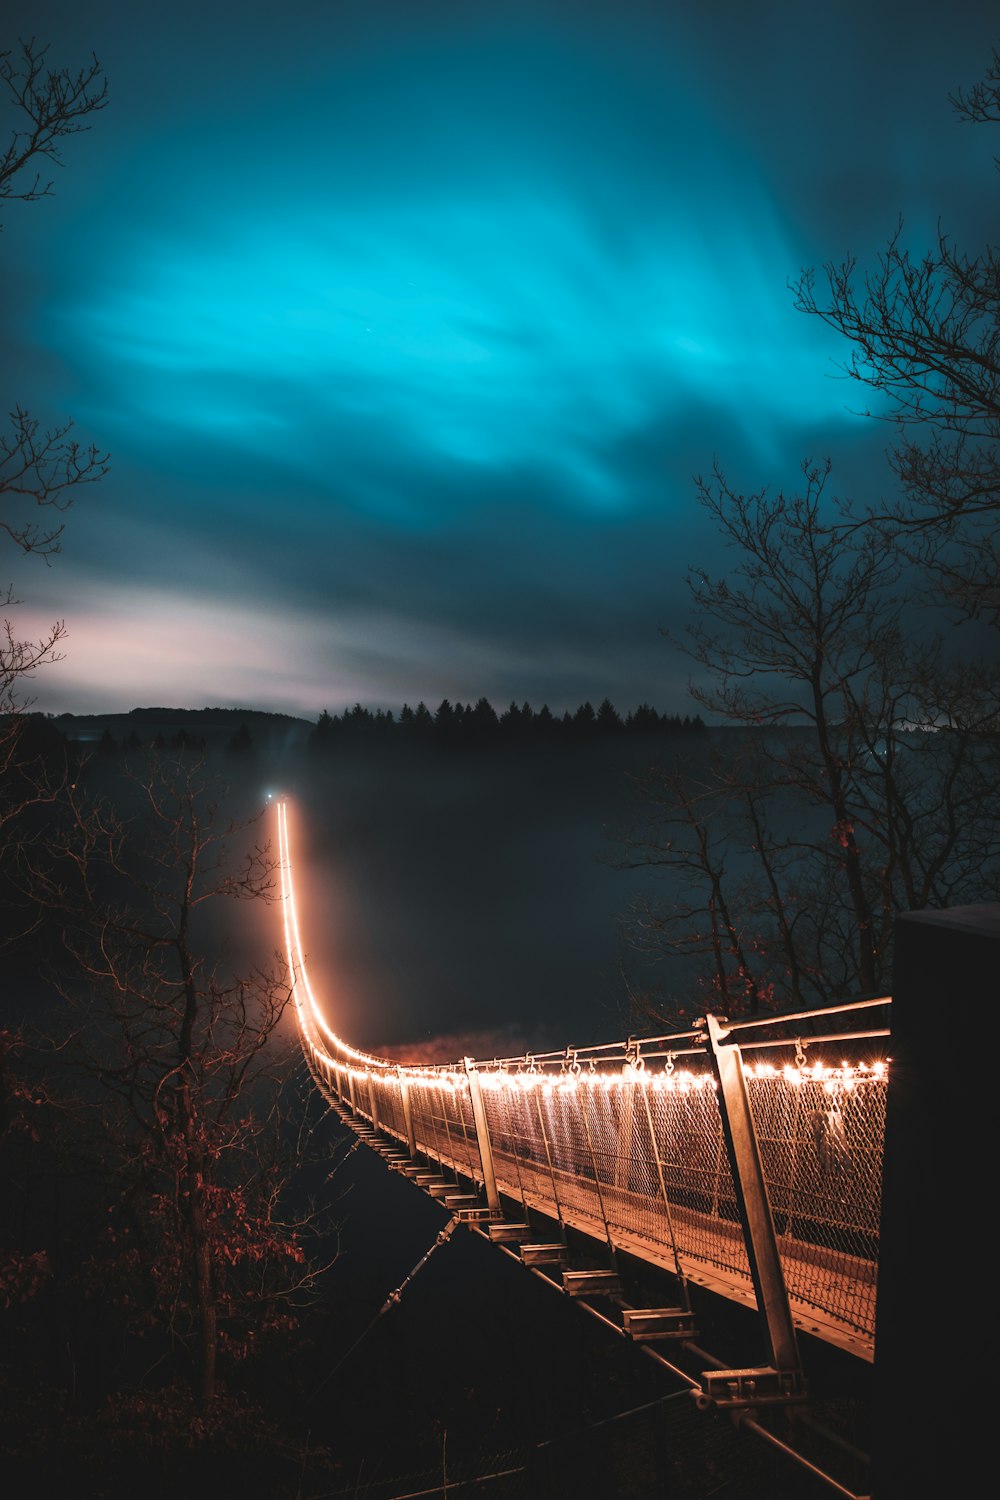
point(52, 106)
point(924, 331)
point(182, 1062)
point(41, 468)
point(866, 780)
point(863, 783)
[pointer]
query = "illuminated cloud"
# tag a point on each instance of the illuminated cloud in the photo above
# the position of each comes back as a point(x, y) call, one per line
point(408, 327)
point(506, 308)
point(439, 333)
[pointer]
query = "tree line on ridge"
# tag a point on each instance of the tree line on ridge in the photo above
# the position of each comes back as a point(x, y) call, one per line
point(467, 724)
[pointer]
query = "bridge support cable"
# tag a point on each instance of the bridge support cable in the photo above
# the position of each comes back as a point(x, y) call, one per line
point(758, 1228)
point(536, 1093)
point(792, 1453)
point(393, 1300)
point(407, 1108)
point(483, 1138)
point(512, 1136)
point(460, 1119)
point(668, 1215)
point(597, 1176)
point(452, 1144)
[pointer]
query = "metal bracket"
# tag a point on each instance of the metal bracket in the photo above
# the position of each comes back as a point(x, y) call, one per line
point(591, 1283)
point(760, 1386)
point(545, 1255)
point(503, 1232)
point(644, 1325)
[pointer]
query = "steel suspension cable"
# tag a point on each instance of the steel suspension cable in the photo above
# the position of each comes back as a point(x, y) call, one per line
point(392, 1300)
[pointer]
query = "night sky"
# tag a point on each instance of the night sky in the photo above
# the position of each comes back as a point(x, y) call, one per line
point(408, 324)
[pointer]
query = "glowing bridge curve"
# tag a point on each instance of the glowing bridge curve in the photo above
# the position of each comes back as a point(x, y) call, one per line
point(741, 1159)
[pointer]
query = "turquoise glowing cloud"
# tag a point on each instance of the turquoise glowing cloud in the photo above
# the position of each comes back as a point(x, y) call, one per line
point(407, 325)
point(507, 313)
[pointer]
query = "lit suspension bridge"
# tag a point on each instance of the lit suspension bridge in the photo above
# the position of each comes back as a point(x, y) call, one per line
point(742, 1160)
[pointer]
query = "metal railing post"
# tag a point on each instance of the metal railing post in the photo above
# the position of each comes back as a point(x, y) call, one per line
point(483, 1138)
point(752, 1200)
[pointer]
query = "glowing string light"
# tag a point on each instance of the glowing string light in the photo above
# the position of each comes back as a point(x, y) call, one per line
point(332, 1055)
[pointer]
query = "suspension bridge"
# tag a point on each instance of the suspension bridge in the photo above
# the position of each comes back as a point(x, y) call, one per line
point(740, 1161)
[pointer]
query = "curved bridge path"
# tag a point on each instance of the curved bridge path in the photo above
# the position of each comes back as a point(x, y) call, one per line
point(740, 1159)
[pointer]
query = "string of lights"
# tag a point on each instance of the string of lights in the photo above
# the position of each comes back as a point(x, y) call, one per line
point(611, 1067)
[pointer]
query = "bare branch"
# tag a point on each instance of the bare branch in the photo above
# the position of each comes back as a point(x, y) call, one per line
point(54, 104)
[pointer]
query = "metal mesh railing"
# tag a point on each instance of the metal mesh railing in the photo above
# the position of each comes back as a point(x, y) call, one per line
point(443, 1127)
point(620, 1142)
point(637, 1155)
point(642, 1163)
point(821, 1133)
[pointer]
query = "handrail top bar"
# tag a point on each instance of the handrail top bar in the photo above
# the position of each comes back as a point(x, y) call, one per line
point(809, 1041)
point(563, 1053)
point(560, 1054)
point(644, 1043)
point(580, 1053)
point(803, 1015)
point(545, 1061)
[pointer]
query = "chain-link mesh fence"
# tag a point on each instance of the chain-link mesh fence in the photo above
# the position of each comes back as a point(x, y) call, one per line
point(638, 1157)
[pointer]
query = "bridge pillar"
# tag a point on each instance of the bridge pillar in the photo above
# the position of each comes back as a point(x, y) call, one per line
point(936, 1248)
point(752, 1200)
